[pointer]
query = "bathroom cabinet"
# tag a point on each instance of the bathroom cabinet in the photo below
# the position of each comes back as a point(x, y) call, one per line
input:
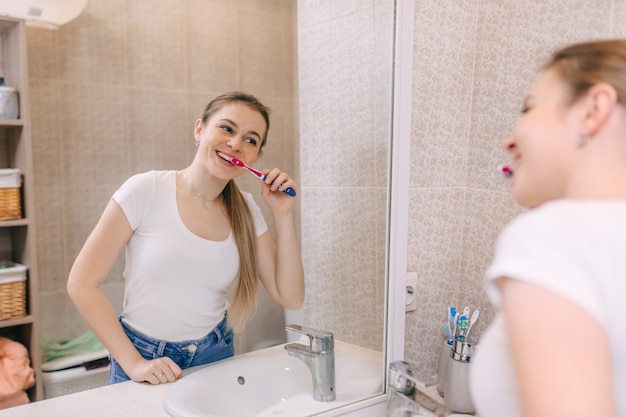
point(17, 236)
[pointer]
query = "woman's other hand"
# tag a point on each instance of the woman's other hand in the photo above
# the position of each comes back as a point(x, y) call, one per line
point(156, 371)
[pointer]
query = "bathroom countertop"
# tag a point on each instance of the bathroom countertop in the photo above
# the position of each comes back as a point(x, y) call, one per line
point(125, 399)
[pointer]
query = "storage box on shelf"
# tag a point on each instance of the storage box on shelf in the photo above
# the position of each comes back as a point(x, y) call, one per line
point(10, 198)
point(12, 290)
point(75, 373)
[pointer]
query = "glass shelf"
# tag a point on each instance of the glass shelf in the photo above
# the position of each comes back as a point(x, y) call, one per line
point(19, 321)
point(14, 223)
point(11, 122)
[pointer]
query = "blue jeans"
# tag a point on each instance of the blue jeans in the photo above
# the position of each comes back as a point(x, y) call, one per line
point(218, 344)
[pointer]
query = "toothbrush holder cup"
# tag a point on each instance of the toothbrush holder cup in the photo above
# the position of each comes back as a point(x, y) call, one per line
point(456, 390)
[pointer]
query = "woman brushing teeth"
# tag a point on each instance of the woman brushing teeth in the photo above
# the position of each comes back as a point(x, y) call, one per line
point(188, 235)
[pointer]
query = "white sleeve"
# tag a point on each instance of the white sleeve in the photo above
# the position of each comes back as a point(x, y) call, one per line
point(547, 251)
point(134, 196)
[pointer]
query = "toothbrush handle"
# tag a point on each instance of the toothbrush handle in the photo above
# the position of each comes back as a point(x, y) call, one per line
point(289, 191)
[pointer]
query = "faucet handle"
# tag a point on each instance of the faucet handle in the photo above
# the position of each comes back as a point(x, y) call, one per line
point(319, 340)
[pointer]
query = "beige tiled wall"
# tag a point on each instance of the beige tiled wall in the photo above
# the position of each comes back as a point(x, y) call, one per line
point(344, 63)
point(473, 62)
point(117, 91)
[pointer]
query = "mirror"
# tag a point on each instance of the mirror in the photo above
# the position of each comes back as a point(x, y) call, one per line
point(117, 90)
point(345, 69)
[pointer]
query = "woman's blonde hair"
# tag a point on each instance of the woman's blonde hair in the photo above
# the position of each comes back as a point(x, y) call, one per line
point(582, 65)
point(242, 222)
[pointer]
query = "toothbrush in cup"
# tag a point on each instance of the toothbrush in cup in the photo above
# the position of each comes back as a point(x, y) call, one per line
point(289, 191)
point(473, 320)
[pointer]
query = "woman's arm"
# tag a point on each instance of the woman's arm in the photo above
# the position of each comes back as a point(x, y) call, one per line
point(561, 354)
point(89, 271)
point(280, 265)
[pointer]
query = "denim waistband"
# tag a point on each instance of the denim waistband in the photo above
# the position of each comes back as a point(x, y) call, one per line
point(212, 338)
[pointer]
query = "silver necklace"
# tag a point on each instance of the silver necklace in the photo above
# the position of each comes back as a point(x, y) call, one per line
point(192, 190)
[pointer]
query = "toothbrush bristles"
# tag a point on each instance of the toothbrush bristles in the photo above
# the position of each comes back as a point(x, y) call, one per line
point(505, 170)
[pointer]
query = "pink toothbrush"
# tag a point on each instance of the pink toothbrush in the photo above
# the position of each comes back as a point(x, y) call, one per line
point(289, 191)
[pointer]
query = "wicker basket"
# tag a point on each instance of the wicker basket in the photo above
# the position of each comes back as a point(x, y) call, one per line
point(12, 290)
point(10, 196)
point(10, 204)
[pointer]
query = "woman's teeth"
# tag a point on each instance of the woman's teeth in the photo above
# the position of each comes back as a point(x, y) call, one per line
point(224, 157)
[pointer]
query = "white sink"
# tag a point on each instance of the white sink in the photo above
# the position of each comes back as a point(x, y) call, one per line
point(269, 382)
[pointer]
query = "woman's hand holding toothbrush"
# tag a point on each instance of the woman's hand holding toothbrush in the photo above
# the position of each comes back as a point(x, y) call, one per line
point(274, 180)
point(278, 190)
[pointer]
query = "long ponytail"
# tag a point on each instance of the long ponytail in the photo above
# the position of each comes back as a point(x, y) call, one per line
point(242, 223)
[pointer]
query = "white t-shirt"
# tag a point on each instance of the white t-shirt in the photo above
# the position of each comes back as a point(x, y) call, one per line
point(576, 249)
point(175, 281)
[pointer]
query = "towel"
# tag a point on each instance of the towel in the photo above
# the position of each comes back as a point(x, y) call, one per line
point(16, 374)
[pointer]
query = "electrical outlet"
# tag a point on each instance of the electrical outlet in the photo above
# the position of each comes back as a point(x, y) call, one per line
point(411, 291)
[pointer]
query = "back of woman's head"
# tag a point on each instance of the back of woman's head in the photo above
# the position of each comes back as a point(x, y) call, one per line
point(582, 65)
point(238, 97)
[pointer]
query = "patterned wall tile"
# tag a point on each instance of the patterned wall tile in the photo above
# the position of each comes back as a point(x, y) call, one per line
point(442, 80)
point(382, 218)
point(337, 143)
point(507, 57)
point(434, 244)
point(383, 82)
point(344, 82)
point(340, 256)
point(486, 214)
point(618, 29)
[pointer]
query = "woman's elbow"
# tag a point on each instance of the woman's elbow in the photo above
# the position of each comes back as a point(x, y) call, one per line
point(75, 287)
point(294, 304)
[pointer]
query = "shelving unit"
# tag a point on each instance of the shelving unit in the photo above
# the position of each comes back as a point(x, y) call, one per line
point(17, 237)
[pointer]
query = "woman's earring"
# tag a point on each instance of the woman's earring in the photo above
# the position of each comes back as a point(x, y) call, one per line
point(583, 138)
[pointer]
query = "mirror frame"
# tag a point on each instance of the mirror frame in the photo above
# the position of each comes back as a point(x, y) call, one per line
point(397, 209)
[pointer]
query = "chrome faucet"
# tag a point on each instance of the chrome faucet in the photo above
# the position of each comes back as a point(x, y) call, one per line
point(319, 357)
point(405, 399)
